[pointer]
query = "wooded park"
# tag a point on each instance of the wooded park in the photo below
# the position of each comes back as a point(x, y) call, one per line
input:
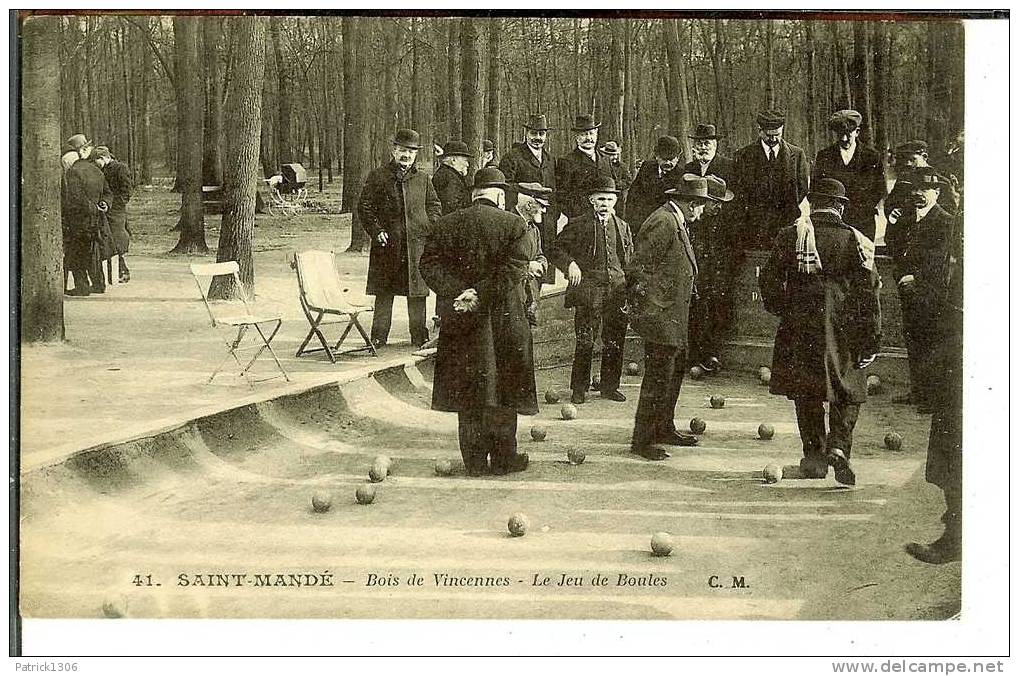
point(227, 100)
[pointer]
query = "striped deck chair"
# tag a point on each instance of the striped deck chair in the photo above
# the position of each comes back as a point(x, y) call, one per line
point(324, 300)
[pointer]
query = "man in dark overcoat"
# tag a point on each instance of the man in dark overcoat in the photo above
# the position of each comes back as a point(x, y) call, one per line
point(593, 251)
point(647, 192)
point(118, 176)
point(577, 171)
point(661, 282)
point(450, 179)
point(821, 282)
point(770, 178)
point(397, 208)
point(532, 205)
point(530, 162)
point(719, 256)
point(620, 172)
point(855, 166)
point(85, 200)
point(484, 365)
point(917, 261)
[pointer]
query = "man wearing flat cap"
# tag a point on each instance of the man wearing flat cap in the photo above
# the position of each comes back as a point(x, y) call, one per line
point(719, 255)
point(532, 205)
point(530, 162)
point(592, 251)
point(660, 282)
point(821, 282)
point(770, 176)
point(855, 166)
point(397, 207)
point(450, 179)
point(647, 192)
point(611, 151)
point(577, 171)
point(484, 364)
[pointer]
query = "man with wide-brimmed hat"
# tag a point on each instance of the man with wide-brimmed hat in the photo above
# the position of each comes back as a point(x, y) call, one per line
point(484, 365)
point(450, 179)
point(647, 192)
point(593, 251)
point(577, 170)
point(397, 207)
point(611, 151)
point(661, 280)
point(770, 177)
point(530, 162)
point(856, 166)
point(821, 282)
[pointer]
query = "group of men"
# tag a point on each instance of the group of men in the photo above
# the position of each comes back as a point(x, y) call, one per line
point(95, 191)
point(664, 264)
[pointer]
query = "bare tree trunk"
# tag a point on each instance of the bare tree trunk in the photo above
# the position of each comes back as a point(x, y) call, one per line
point(389, 27)
point(470, 86)
point(494, 79)
point(145, 168)
point(42, 251)
point(440, 79)
point(811, 88)
point(453, 77)
point(678, 104)
point(355, 124)
point(422, 103)
point(284, 123)
point(859, 80)
point(189, 119)
point(769, 64)
point(241, 175)
point(212, 157)
point(879, 123)
point(627, 139)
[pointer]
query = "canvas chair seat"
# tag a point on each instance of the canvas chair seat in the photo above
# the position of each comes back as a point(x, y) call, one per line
point(325, 300)
point(262, 327)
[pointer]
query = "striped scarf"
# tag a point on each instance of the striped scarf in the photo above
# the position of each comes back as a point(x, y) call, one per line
point(808, 260)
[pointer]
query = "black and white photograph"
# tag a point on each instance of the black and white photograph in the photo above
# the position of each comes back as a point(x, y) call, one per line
point(509, 315)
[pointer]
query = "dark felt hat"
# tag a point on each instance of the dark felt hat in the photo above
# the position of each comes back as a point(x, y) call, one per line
point(717, 189)
point(926, 178)
point(689, 186)
point(487, 146)
point(602, 183)
point(584, 122)
point(456, 148)
point(915, 147)
point(78, 141)
point(667, 146)
point(770, 119)
point(611, 148)
point(704, 131)
point(537, 123)
point(845, 121)
point(829, 187)
point(490, 177)
point(537, 191)
point(408, 138)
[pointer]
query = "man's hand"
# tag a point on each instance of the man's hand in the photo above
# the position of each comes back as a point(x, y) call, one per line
point(895, 215)
point(535, 268)
point(907, 282)
point(866, 361)
point(466, 301)
point(573, 274)
point(383, 238)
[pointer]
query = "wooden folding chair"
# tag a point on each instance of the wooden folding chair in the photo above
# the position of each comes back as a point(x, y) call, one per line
point(265, 326)
point(324, 300)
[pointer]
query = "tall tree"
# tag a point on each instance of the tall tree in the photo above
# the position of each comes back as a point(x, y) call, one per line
point(470, 85)
point(355, 124)
point(494, 79)
point(678, 104)
point(42, 251)
point(879, 104)
point(145, 154)
point(284, 122)
point(811, 55)
point(613, 100)
point(859, 79)
point(212, 156)
point(241, 174)
point(191, 109)
point(769, 64)
point(453, 77)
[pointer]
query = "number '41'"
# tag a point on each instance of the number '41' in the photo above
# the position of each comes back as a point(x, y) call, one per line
point(142, 581)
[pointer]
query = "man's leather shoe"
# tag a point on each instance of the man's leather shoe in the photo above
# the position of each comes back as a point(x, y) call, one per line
point(78, 292)
point(675, 438)
point(614, 395)
point(936, 553)
point(516, 463)
point(651, 453)
point(711, 364)
point(844, 473)
point(578, 398)
point(813, 467)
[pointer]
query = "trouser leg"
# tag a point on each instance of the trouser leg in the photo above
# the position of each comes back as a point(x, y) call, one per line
point(911, 333)
point(659, 365)
point(613, 334)
point(382, 318)
point(810, 419)
point(125, 273)
point(418, 320)
point(675, 383)
point(585, 324)
point(471, 432)
point(842, 417)
point(501, 428)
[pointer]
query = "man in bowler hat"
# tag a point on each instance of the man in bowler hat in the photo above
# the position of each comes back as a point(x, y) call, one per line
point(577, 170)
point(647, 192)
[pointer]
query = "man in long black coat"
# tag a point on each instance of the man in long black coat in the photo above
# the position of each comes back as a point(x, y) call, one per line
point(397, 208)
point(578, 170)
point(450, 179)
point(85, 200)
point(593, 251)
point(647, 192)
point(484, 365)
point(719, 255)
point(770, 179)
point(821, 282)
point(530, 162)
point(855, 166)
point(661, 282)
point(118, 176)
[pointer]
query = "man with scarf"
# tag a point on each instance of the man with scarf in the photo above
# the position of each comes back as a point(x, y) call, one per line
point(397, 207)
point(821, 282)
point(593, 251)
